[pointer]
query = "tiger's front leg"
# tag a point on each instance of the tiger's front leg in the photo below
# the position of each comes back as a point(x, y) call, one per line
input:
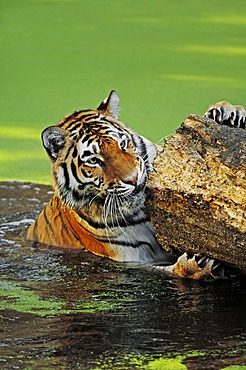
point(227, 114)
point(195, 267)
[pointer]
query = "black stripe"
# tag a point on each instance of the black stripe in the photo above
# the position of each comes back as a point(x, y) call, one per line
point(76, 195)
point(84, 173)
point(105, 119)
point(90, 139)
point(117, 223)
point(69, 117)
point(48, 224)
point(77, 237)
point(125, 244)
point(35, 230)
point(90, 116)
point(66, 175)
point(77, 123)
point(74, 172)
point(86, 137)
point(143, 149)
point(134, 141)
point(79, 162)
point(77, 116)
point(115, 125)
point(84, 184)
point(68, 151)
point(75, 152)
point(86, 153)
point(70, 229)
point(64, 226)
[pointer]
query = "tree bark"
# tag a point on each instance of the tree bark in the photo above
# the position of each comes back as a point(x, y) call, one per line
point(197, 196)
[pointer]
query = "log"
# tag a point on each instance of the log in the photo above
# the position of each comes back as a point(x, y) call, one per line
point(197, 196)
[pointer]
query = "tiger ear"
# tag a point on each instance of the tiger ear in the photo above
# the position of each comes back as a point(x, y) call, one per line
point(110, 105)
point(54, 139)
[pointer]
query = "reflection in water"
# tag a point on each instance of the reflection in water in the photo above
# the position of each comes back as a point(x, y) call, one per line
point(73, 310)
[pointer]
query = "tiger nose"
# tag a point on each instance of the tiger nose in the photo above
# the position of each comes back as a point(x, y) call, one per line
point(131, 179)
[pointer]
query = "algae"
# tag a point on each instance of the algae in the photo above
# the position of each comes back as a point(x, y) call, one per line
point(147, 362)
point(22, 299)
point(167, 364)
point(172, 361)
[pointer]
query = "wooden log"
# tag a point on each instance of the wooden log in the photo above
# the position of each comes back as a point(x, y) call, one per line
point(197, 196)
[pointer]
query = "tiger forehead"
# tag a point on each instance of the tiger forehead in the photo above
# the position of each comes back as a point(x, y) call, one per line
point(99, 143)
point(77, 118)
point(93, 132)
point(88, 121)
point(99, 128)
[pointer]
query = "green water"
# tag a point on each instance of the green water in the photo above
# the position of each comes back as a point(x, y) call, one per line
point(166, 59)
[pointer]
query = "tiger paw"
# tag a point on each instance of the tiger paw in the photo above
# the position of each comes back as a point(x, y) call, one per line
point(225, 113)
point(196, 267)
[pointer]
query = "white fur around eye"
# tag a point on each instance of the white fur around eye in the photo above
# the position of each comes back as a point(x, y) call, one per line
point(93, 162)
point(123, 142)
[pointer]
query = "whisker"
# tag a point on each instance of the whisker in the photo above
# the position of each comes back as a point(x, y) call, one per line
point(105, 213)
point(125, 199)
point(107, 209)
point(152, 147)
point(97, 195)
point(112, 209)
point(162, 139)
point(117, 214)
point(120, 201)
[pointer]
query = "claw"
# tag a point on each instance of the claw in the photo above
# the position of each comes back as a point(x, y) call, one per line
point(240, 116)
point(227, 114)
point(195, 267)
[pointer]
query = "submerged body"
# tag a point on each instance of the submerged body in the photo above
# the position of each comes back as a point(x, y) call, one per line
point(99, 171)
point(59, 225)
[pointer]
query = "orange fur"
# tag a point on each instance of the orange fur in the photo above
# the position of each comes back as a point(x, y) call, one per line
point(65, 228)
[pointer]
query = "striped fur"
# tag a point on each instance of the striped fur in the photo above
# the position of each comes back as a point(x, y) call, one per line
point(99, 170)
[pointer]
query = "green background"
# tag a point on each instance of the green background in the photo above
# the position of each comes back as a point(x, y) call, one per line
point(165, 59)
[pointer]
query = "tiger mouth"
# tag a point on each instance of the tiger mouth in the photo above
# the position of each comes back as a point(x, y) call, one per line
point(120, 190)
point(139, 188)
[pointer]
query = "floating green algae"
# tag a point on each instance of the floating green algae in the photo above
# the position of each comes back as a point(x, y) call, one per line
point(14, 297)
point(22, 299)
point(166, 364)
point(146, 362)
point(153, 362)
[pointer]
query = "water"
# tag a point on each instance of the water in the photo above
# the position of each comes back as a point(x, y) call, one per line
point(72, 310)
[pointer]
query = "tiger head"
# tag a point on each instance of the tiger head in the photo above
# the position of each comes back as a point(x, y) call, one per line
point(95, 156)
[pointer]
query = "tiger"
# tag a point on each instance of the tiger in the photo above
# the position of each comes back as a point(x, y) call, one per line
point(99, 174)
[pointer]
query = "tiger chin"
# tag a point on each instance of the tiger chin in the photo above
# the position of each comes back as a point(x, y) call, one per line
point(99, 173)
